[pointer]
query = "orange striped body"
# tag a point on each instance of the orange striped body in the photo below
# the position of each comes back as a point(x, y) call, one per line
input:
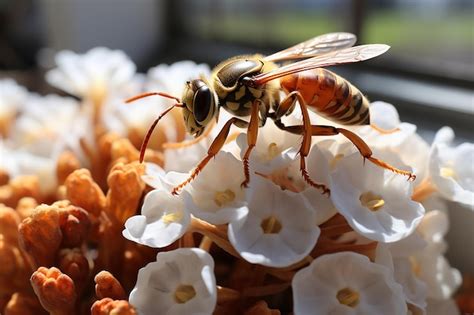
point(330, 96)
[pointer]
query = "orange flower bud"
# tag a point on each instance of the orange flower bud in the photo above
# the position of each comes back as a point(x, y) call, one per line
point(55, 290)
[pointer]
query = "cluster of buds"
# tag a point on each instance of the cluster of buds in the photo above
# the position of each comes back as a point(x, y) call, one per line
point(86, 229)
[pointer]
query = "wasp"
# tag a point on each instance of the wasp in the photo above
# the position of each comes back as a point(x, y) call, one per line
point(250, 86)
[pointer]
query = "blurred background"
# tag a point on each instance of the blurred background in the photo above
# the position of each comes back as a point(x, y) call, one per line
point(428, 73)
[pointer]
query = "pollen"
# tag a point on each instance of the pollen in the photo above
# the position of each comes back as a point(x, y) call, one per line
point(271, 225)
point(335, 160)
point(447, 172)
point(372, 201)
point(171, 217)
point(222, 198)
point(272, 151)
point(184, 293)
point(348, 297)
point(415, 266)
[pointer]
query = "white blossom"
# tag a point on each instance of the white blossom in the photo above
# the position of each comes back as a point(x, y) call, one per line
point(12, 99)
point(385, 116)
point(442, 307)
point(163, 220)
point(429, 264)
point(375, 202)
point(275, 148)
point(18, 163)
point(346, 283)
point(278, 230)
point(95, 74)
point(47, 127)
point(172, 78)
point(452, 169)
point(180, 282)
point(318, 169)
point(216, 195)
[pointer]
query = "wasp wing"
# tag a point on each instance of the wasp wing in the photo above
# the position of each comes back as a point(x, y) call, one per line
point(315, 46)
point(347, 55)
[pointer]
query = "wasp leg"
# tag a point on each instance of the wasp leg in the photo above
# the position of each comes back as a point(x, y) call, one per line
point(188, 143)
point(215, 147)
point(365, 151)
point(384, 131)
point(252, 134)
point(286, 106)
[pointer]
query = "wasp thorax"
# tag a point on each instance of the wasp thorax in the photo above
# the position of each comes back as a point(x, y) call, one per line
point(200, 108)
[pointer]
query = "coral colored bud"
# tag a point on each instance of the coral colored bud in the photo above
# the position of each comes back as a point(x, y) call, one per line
point(40, 235)
point(108, 287)
point(55, 290)
point(108, 306)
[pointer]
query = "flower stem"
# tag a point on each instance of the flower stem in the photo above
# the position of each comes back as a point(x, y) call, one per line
point(206, 243)
point(423, 190)
point(215, 234)
point(227, 295)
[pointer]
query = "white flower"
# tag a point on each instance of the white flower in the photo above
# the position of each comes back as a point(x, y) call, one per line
point(17, 163)
point(442, 307)
point(415, 151)
point(375, 202)
point(180, 282)
point(172, 78)
point(45, 128)
point(451, 168)
point(163, 220)
point(153, 175)
point(95, 74)
point(12, 98)
point(429, 264)
point(401, 268)
point(385, 116)
point(318, 169)
point(278, 230)
point(275, 148)
point(186, 159)
point(216, 195)
point(346, 283)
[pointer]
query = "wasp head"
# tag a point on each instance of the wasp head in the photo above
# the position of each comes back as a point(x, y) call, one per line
point(200, 106)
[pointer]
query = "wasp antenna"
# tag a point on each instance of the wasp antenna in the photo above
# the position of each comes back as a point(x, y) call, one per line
point(143, 95)
point(152, 127)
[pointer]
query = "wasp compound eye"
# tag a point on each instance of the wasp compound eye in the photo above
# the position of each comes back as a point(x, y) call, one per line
point(202, 103)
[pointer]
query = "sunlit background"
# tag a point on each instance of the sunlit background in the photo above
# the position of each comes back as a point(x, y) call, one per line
point(428, 73)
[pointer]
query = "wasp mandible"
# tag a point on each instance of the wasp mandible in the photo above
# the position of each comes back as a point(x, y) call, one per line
point(250, 85)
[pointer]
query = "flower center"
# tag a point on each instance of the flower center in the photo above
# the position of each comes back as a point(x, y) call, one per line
point(415, 266)
point(270, 225)
point(184, 293)
point(335, 160)
point(447, 172)
point(372, 201)
point(171, 217)
point(223, 197)
point(348, 297)
point(272, 151)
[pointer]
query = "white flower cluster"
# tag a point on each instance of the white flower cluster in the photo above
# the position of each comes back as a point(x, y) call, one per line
point(375, 246)
point(279, 222)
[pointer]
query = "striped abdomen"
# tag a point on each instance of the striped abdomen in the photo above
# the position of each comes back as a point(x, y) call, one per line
point(329, 95)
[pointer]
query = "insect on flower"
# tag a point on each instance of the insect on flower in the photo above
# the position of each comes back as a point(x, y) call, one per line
point(250, 85)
